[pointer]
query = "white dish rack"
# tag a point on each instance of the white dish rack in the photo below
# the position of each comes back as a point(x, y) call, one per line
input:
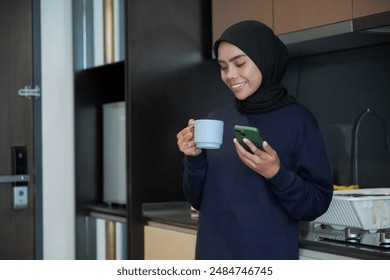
point(367, 209)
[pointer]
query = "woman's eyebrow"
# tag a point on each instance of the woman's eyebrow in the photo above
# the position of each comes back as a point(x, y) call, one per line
point(233, 58)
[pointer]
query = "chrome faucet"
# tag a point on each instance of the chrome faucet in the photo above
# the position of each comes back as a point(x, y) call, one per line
point(355, 140)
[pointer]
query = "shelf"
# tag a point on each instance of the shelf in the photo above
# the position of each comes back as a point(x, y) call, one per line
point(106, 83)
point(104, 209)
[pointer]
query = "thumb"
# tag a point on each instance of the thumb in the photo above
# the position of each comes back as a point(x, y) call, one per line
point(191, 122)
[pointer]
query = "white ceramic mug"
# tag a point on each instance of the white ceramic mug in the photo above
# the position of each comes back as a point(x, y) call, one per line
point(208, 133)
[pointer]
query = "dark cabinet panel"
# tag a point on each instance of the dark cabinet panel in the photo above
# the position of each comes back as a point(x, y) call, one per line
point(167, 77)
point(168, 43)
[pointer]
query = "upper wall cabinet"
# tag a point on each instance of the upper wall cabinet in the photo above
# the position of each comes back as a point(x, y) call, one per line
point(298, 15)
point(363, 8)
point(228, 12)
point(286, 16)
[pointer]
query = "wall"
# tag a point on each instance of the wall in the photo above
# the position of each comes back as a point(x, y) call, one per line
point(57, 130)
point(338, 87)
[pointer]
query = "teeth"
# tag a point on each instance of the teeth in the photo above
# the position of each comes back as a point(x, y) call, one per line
point(238, 85)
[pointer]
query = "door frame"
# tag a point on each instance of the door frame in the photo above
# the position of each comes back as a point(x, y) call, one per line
point(37, 79)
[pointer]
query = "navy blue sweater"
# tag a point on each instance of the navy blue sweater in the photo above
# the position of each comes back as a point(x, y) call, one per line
point(242, 214)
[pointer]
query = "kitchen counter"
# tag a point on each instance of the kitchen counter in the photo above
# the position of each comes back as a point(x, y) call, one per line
point(179, 215)
point(172, 214)
point(314, 237)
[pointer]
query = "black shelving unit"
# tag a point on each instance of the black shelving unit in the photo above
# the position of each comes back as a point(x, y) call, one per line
point(167, 77)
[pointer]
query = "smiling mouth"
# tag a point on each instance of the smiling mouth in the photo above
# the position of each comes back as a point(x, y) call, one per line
point(239, 85)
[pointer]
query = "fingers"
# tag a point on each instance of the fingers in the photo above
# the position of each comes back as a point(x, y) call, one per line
point(251, 146)
point(185, 135)
point(239, 148)
point(191, 122)
point(266, 162)
point(185, 140)
point(268, 149)
point(260, 152)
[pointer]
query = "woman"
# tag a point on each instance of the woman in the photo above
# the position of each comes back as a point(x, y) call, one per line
point(250, 204)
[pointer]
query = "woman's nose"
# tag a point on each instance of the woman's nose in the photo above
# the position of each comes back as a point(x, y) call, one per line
point(232, 73)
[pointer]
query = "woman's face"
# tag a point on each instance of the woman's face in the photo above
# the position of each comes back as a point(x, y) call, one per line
point(238, 71)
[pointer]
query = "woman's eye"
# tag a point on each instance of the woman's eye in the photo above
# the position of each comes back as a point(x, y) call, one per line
point(240, 64)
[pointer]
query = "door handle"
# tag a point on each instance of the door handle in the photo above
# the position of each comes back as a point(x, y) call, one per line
point(14, 178)
point(29, 92)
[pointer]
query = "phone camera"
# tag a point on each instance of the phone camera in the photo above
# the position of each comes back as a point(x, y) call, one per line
point(241, 131)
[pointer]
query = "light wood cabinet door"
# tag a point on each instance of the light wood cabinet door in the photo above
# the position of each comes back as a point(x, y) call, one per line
point(169, 244)
point(295, 15)
point(228, 12)
point(363, 8)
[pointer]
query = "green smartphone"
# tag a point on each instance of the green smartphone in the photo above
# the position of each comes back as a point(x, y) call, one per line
point(251, 133)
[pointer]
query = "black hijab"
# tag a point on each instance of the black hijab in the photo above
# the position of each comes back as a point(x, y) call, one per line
point(270, 55)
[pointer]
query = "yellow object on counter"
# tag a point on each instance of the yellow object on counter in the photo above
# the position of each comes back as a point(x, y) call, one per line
point(350, 187)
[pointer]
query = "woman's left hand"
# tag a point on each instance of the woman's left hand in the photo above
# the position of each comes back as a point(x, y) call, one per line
point(266, 163)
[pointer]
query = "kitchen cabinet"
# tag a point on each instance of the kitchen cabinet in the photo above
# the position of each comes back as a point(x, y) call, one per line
point(228, 12)
point(290, 16)
point(286, 16)
point(363, 8)
point(165, 242)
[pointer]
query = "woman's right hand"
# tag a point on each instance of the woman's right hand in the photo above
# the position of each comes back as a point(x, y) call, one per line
point(185, 140)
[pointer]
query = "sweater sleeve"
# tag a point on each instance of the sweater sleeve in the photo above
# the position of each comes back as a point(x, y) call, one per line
point(305, 189)
point(195, 170)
